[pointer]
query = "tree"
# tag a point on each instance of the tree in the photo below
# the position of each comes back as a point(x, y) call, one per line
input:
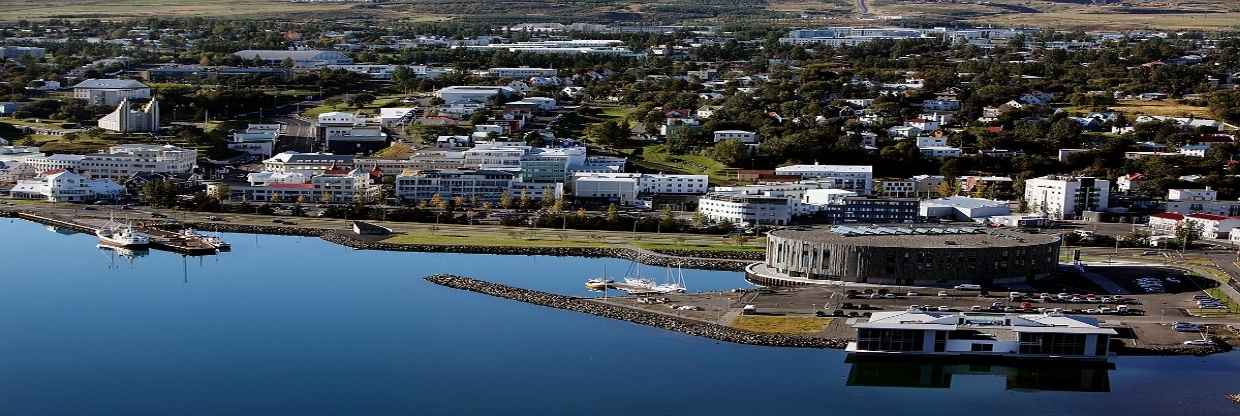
point(505, 200)
point(1188, 231)
point(668, 220)
point(729, 152)
point(361, 100)
point(947, 187)
point(524, 200)
point(609, 133)
point(438, 202)
point(699, 220)
point(613, 214)
point(557, 207)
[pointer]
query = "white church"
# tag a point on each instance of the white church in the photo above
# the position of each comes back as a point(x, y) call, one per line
point(127, 120)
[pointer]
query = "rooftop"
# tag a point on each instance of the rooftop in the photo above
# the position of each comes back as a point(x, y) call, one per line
point(915, 236)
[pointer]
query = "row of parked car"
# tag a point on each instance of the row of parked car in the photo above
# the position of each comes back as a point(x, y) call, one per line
point(1205, 301)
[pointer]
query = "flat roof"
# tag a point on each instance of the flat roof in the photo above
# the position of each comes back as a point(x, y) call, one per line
point(916, 236)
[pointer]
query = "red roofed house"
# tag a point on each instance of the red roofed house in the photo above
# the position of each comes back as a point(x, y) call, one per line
point(1212, 226)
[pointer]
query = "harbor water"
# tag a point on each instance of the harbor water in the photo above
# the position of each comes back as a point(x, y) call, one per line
point(297, 326)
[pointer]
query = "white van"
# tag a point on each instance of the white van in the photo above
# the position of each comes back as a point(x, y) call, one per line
point(968, 287)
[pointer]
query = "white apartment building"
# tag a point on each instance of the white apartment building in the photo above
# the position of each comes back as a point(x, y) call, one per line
point(64, 186)
point(520, 72)
point(896, 188)
point(423, 185)
point(747, 210)
point(1061, 197)
point(122, 161)
point(939, 152)
point(1190, 201)
point(256, 139)
point(747, 137)
point(856, 178)
point(931, 141)
point(622, 189)
point(313, 163)
point(622, 185)
point(337, 186)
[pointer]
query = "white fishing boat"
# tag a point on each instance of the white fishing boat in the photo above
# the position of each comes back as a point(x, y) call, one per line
point(122, 235)
point(124, 252)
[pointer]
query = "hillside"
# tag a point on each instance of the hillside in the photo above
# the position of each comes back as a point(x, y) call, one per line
point(1064, 14)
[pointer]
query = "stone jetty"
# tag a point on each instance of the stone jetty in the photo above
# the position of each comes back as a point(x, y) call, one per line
point(638, 316)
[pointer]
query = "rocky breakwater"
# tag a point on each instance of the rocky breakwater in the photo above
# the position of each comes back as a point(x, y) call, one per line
point(645, 257)
point(638, 316)
point(224, 227)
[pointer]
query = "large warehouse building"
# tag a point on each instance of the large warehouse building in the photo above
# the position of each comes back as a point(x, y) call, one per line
point(906, 255)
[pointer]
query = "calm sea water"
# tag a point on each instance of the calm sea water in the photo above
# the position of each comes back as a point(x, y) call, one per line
point(296, 326)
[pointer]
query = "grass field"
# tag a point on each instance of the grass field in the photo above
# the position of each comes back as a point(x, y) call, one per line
point(781, 324)
point(656, 157)
point(495, 236)
point(372, 108)
point(1161, 108)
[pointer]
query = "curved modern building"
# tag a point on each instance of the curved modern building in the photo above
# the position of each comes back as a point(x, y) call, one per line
point(909, 255)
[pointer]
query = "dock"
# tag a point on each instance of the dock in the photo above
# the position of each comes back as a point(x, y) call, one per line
point(160, 238)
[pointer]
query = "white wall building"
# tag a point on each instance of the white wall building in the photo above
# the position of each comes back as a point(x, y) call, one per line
point(520, 72)
point(124, 119)
point(747, 210)
point(1066, 197)
point(314, 163)
point(64, 186)
point(476, 94)
point(110, 92)
point(747, 137)
point(856, 178)
point(963, 208)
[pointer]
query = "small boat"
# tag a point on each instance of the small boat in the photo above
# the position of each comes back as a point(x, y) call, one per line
point(215, 242)
point(599, 283)
point(122, 236)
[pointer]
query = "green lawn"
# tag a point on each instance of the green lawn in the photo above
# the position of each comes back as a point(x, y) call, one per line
point(656, 157)
point(372, 108)
point(514, 239)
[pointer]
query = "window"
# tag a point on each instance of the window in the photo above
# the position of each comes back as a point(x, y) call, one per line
point(981, 347)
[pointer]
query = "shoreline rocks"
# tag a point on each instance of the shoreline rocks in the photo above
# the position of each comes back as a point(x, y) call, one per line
point(637, 316)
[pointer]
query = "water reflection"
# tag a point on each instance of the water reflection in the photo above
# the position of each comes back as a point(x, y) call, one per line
point(1028, 376)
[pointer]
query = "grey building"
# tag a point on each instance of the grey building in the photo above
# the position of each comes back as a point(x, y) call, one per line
point(304, 58)
point(907, 255)
point(872, 210)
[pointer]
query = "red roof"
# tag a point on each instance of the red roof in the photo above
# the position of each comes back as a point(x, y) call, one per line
point(53, 171)
point(1169, 216)
point(1210, 217)
point(292, 186)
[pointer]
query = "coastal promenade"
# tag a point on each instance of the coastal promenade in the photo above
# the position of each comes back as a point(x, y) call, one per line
point(686, 250)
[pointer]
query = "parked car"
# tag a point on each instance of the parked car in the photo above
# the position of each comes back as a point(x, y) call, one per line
point(1200, 342)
